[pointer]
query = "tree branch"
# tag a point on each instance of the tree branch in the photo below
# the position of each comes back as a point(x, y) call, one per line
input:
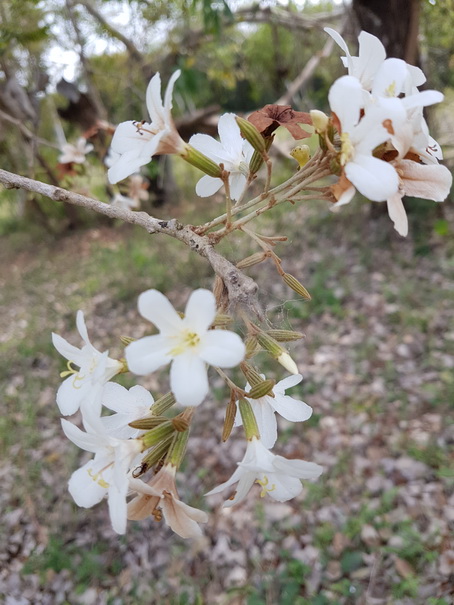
point(133, 51)
point(242, 290)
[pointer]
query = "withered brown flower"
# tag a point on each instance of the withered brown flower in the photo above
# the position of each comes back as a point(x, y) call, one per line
point(268, 119)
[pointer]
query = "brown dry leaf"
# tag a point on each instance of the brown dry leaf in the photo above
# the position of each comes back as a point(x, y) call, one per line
point(403, 568)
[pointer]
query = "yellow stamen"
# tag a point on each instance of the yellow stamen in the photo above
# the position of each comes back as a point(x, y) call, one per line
point(188, 340)
point(98, 479)
point(264, 483)
point(69, 371)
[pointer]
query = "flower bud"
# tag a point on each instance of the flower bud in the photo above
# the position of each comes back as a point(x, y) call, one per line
point(263, 388)
point(252, 376)
point(257, 158)
point(230, 414)
point(148, 423)
point(157, 434)
point(249, 422)
point(276, 351)
point(162, 404)
point(252, 260)
point(296, 286)
point(287, 362)
point(301, 154)
point(269, 344)
point(222, 320)
point(251, 345)
point(285, 335)
point(251, 134)
point(320, 120)
point(156, 454)
point(200, 161)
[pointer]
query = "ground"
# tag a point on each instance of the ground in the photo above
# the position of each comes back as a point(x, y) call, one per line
point(377, 361)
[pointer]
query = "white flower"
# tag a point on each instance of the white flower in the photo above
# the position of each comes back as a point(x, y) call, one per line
point(264, 409)
point(186, 342)
point(135, 143)
point(106, 474)
point(127, 405)
point(432, 182)
point(124, 202)
point(372, 53)
point(375, 179)
point(95, 369)
point(278, 476)
point(75, 153)
point(232, 151)
point(161, 492)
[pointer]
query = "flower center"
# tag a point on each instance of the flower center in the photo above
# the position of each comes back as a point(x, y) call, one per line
point(187, 341)
point(347, 149)
point(264, 483)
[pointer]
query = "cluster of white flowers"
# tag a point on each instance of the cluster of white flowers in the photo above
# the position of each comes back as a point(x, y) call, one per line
point(189, 343)
point(378, 142)
point(386, 150)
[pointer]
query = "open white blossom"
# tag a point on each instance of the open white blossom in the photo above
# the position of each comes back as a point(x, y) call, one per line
point(278, 476)
point(264, 409)
point(106, 474)
point(95, 369)
point(186, 342)
point(127, 405)
point(75, 153)
point(135, 143)
point(375, 179)
point(232, 151)
point(161, 493)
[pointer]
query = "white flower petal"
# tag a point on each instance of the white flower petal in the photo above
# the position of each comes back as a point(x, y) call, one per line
point(118, 507)
point(67, 350)
point(128, 163)
point(297, 468)
point(200, 310)
point(243, 488)
point(188, 379)
point(222, 348)
point(169, 92)
point(147, 354)
point(85, 491)
point(397, 214)
point(237, 183)
point(208, 185)
point(208, 146)
point(287, 383)
point(266, 420)
point(229, 133)
point(282, 488)
point(292, 409)
point(71, 394)
point(432, 181)
point(116, 398)
point(157, 308)
point(346, 100)
point(86, 441)
point(375, 179)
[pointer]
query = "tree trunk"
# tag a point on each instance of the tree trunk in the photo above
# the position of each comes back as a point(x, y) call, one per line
point(394, 22)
